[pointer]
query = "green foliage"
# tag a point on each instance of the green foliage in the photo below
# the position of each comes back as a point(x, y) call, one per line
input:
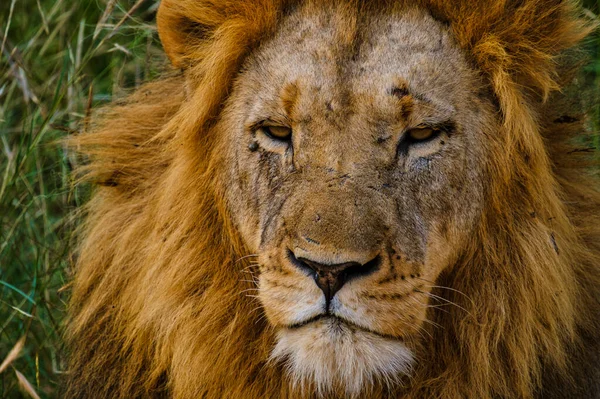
point(58, 59)
point(593, 72)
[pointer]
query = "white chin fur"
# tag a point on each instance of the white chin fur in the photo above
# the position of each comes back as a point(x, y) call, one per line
point(329, 356)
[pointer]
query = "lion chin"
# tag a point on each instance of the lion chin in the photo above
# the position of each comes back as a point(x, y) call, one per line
point(331, 355)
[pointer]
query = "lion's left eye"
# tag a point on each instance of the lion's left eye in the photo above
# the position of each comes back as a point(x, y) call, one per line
point(280, 133)
point(421, 138)
point(422, 134)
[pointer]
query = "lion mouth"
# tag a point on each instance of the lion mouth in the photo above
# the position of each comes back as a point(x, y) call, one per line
point(337, 323)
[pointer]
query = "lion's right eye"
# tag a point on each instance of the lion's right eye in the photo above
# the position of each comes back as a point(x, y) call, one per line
point(279, 133)
point(420, 135)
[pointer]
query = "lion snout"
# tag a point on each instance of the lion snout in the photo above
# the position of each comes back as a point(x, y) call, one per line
point(330, 277)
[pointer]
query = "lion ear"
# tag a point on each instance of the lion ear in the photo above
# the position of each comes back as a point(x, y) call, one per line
point(179, 32)
point(192, 29)
point(210, 39)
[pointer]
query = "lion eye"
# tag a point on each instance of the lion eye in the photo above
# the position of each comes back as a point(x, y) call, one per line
point(281, 133)
point(422, 134)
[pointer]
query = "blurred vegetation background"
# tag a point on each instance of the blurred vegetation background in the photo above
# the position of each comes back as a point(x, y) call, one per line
point(58, 60)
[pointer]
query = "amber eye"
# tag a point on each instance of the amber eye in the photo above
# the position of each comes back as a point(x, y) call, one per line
point(422, 134)
point(280, 133)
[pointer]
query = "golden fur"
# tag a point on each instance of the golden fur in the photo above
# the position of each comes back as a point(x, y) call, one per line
point(158, 306)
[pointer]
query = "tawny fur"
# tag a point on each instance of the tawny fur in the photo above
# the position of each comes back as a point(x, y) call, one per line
point(158, 308)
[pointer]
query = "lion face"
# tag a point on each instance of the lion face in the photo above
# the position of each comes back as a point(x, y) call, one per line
point(356, 174)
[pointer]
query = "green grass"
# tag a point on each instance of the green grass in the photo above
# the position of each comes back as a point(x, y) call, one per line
point(593, 72)
point(58, 58)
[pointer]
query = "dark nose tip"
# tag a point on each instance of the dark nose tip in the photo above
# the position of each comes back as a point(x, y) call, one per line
point(331, 277)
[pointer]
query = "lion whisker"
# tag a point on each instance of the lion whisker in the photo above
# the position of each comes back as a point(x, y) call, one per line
point(428, 305)
point(252, 266)
point(252, 274)
point(261, 318)
point(422, 331)
point(246, 257)
point(449, 302)
point(446, 288)
point(247, 270)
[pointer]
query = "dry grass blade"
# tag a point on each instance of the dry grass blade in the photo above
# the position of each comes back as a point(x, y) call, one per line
point(16, 70)
point(107, 11)
point(589, 13)
point(26, 385)
point(88, 109)
point(13, 354)
point(65, 287)
point(115, 29)
point(10, 15)
point(44, 19)
point(127, 16)
point(80, 38)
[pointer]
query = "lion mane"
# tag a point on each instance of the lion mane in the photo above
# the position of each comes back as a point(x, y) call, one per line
point(158, 306)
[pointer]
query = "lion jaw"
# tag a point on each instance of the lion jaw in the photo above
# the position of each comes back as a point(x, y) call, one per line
point(329, 355)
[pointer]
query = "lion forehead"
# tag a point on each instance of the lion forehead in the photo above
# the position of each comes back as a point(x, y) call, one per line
point(326, 59)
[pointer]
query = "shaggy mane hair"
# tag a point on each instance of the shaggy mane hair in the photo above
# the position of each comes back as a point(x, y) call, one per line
point(158, 307)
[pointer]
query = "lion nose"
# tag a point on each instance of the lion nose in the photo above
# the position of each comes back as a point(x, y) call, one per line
point(330, 278)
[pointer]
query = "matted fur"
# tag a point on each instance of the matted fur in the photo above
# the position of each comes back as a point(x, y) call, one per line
point(158, 307)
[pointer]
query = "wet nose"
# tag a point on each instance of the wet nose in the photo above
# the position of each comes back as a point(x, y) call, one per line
point(330, 278)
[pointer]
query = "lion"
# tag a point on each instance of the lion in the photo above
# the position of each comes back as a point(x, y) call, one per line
point(343, 198)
